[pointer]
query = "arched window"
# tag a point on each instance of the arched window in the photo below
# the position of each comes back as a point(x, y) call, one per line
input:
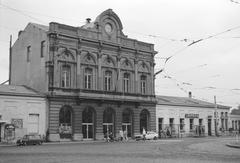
point(126, 82)
point(88, 123)
point(144, 120)
point(65, 122)
point(108, 80)
point(66, 76)
point(127, 122)
point(143, 84)
point(88, 77)
point(108, 121)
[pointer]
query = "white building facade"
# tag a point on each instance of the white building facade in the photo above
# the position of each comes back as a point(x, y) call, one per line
point(22, 111)
point(185, 116)
point(235, 120)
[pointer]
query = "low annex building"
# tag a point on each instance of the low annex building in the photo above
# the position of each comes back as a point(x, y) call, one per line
point(97, 80)
point(235, 120)
point(22, 111)
point(186, 116)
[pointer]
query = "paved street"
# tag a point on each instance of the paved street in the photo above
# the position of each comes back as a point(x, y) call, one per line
point(166, 150)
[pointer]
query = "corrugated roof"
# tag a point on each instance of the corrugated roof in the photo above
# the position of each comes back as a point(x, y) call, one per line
point(18, 90)
point(186, 101)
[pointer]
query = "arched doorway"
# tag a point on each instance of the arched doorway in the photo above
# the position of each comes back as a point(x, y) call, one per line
point(108, 121)
point(127, 121)
point(88, 123)
point(144, 120)
point(65, 122)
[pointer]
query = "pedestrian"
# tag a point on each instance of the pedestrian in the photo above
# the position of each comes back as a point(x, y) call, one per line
point(121, 135)
point(125, 135)
point(144, 134)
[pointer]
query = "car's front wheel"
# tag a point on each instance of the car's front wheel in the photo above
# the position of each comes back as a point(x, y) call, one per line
point(155, 138)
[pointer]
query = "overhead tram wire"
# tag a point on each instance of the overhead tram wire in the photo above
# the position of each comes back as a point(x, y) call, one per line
point(22, 13)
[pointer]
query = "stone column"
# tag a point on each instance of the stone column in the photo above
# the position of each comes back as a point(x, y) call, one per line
point(99, 76)
point(136, 76)
point(78, 81)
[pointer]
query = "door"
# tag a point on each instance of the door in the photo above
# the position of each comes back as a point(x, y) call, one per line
point(87, 130)
point(108, 129)
point(127, 127)
point(209, 127)
point(88, 123)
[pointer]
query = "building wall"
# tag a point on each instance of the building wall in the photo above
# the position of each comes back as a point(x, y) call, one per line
point(19, 109)
point(177, 112)
point(79, 106)
point(234, 122)
point(31, 73)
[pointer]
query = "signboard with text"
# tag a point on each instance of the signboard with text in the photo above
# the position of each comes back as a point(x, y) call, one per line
point(191, 115)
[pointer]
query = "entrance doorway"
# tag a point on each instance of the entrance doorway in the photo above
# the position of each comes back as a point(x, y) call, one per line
point(65, 122)
point(209, 127)
point(127, 122)
point(88, 124)
point(108, 122)
point(144, 120)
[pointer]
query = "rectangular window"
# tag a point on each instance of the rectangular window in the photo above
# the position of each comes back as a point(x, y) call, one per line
point(191, 124)
point(88, 78)
point(33, 123)
point(28, 53)
point(42, 49)
point(50, 76)
point(108, 80)
point(126, 80)
point(143, 80)
point(182, 124)
point(160, 124)
point(66, 75)
point(171, 122)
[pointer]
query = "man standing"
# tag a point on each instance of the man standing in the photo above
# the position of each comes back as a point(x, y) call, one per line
point(144, 134)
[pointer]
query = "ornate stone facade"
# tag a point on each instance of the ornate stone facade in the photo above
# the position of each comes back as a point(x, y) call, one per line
point(96, 71)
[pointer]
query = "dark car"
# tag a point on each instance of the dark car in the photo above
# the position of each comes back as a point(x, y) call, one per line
point(30, 140)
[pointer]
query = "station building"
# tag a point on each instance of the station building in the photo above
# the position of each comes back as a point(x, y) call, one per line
point(22, 111)
point(186, 116)
point(95, 78)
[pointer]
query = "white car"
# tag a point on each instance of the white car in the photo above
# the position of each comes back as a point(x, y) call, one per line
point(150, 135)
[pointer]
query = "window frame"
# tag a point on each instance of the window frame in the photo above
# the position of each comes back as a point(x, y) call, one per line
point(108, 80)
point(143, 84)
point(66, 76)
point(88, 78)
point(126, 82)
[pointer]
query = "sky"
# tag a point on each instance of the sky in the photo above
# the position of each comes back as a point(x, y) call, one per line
point(198, 41)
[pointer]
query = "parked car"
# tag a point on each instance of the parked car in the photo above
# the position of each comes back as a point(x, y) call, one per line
point(30, 140)
point(150, 135)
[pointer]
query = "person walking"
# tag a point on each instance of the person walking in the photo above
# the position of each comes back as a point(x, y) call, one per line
point(121, 135)
point(125, 135)
point(144, 134)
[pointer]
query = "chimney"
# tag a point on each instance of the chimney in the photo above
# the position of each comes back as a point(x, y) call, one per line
point(190, 94)
point(19, 33)
point(88, 20)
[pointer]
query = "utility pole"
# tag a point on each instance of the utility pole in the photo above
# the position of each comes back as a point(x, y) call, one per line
point(216, 116)
point(10, 60)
